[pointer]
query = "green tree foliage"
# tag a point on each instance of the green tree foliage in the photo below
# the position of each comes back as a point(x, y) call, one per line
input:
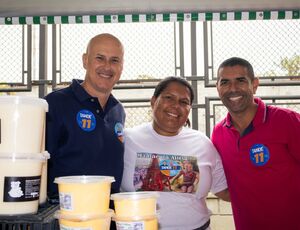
point(291, 65)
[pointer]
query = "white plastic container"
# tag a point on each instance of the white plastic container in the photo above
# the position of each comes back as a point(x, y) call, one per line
point(20, 179)
point(133, 204)
point(84, 222)
point(43, 189)
point(22, 126)
point(84, 195)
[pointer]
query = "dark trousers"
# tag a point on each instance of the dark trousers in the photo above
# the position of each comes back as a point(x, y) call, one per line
point(204, 226)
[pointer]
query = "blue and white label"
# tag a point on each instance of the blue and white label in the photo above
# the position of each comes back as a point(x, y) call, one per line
point(86, 120)
point(66, 201)
point(131, 225)
point(259, 154)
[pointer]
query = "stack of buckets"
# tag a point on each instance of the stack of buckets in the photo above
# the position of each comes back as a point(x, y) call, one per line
point(84, 202)
point(23, 160)
point(135, 210)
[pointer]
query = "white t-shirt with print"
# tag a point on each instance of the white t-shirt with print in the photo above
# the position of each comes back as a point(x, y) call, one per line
point(182, 168)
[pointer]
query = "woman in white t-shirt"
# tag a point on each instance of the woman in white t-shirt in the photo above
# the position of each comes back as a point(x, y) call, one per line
point(178, 162)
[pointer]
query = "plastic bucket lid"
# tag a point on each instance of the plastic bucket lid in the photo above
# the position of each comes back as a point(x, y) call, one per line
point(24, 100)
point(81, 217)
point(84, 179)
point(134, 218)
point(133, 195)
point(25, 156)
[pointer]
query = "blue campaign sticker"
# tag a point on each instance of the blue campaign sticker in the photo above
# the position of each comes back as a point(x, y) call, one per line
point(259, 154)
point(169, 167)
point(86, 120)
point(119, 131)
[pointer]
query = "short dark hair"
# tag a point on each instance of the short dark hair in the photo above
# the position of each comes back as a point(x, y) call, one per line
point(233, 61)
point(163, 84)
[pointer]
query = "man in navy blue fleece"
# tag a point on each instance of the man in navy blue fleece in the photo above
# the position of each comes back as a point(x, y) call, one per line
point(84, 130)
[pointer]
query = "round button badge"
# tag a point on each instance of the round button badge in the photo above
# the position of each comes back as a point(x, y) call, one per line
point(119, 131)
point(169, 167)
point(86, 120)
point(259, 154)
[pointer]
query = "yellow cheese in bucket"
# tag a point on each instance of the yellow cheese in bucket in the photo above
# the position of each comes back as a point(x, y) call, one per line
point(84, 195)
point(91, 222)
point(132, 204)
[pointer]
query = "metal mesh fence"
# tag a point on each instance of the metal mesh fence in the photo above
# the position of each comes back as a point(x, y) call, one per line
point(149, 49)
point(289, 105)
point(137, 114)
point(150, 53)
point(272, 47)
point(218, 111)
point(11, 56)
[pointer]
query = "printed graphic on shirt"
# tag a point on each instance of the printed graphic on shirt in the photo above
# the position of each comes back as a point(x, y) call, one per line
point(163, 172)
point(86, 120)
point(259, 154)
point(119, 131)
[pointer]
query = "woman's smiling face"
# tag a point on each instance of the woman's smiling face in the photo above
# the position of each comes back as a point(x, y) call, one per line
point(171, 109)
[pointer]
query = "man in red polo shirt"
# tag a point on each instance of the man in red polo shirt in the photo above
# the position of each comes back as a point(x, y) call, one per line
point(260, 149)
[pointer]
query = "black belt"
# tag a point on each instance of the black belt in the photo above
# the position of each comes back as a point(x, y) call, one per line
point(204, 226)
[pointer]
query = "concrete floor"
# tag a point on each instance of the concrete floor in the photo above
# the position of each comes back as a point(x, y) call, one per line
point(221, 218)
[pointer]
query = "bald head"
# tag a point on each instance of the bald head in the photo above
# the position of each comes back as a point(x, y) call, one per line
point(105, 37)
point(103, 62)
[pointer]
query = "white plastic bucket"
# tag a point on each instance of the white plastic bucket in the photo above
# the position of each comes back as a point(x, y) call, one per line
point(84, 222)
point(137, 222)
point(20, 179)
point(84, 195)
point(22, 124)
point(43, 190)
point(132, 204)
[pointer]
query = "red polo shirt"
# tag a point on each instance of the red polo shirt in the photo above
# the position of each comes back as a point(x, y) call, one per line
point(262, 168)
